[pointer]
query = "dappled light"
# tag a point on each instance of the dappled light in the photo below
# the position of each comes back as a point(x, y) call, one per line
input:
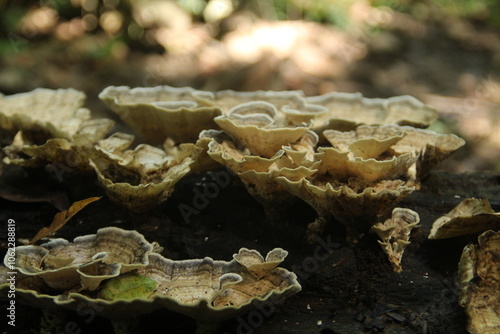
point(334, 133)
point(444, 53)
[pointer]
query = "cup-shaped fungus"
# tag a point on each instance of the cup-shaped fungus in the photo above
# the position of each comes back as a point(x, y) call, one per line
point(425, 147)
point(52, 127)
point(86, 261)
point(255, 262)
point(395, 234)
point(44, 112)
point(206, 290)
point(142, 178)
point(354, 203)
point(470, 216)
point(352, 189)
point(346, 111)
point(259, 127)
point(74, 153)
point(258, 174)
point(161, 112)
point(290, 104)
point(365, 141)
point(479, 284)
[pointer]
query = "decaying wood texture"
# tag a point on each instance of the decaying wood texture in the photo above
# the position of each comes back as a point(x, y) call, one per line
point(346, 288)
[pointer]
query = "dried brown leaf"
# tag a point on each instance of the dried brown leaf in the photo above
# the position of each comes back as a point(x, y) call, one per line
point(61, 218)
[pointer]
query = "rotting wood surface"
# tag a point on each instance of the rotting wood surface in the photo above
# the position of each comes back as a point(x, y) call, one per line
point(346, 289)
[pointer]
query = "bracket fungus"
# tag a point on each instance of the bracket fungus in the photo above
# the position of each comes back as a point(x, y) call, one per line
point(395, 234)
point(86, 261)
point(257, 173)
point(291, 105)
point(470, 216)
point(44, 112)
point(479, 284)
point(259, 127)
point(352, 189)
point(51, 126)
point(74, 153)
point(346, 111)
point(142, 178)
point(365, 141)
point(255, 262)
point(429, 147)
point(425, 147)
point(206, 290)
point(354, 203)
point(161, 112)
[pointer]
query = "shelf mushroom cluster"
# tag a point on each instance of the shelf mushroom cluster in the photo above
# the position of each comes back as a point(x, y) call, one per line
point(122, 274)
point(349, 157)
point(352, 159)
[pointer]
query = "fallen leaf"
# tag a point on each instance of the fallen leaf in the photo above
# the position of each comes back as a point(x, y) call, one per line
point(61, 218)
point(128, 287)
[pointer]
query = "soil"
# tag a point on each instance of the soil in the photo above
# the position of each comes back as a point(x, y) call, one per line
point(345, 288)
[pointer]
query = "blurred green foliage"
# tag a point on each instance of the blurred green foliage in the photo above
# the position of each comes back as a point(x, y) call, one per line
point(334, 12)
point(487, 11)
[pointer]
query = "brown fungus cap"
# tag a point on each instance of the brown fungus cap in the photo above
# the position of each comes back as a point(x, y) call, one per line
point(259, 127)
point(470, 216)
point(479, 284)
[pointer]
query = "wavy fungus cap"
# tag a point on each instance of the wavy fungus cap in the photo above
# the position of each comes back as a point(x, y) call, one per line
point(86, 261)
point(258, 174)
point(74, 153)
point(346, 111)
point(52, 113)
point(427, 148)
point(291, 105)
point(161, 112)
point(479, 284)
point(355, 204)
point(258, 127)
point(471, 215)
point(207, 290)
point(142, 178)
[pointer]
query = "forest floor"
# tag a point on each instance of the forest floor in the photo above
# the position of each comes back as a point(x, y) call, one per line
point(353, 290)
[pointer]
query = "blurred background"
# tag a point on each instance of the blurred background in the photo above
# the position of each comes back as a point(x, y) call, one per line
point(444, 52)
